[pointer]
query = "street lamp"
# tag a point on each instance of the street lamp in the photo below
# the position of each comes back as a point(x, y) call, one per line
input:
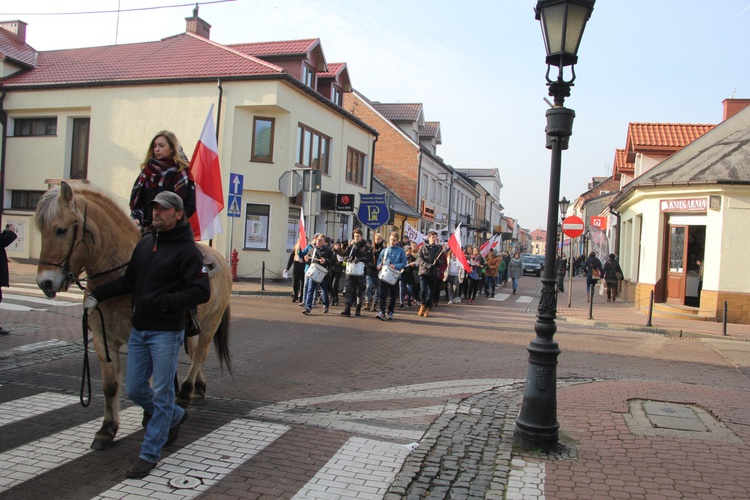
point(563, 22)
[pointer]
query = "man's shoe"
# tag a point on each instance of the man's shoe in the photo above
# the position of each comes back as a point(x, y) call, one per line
point(421, 311)
point(174, 432)
point(140, 469)
point(492, 296)
point(357, 312)
point(306, 311)
point(325, 310)
point(302, 303)
point(346, 312)
point(380, 316)
point(3, 331)
point(426, 312)
point(146, 419)
point(390, 316)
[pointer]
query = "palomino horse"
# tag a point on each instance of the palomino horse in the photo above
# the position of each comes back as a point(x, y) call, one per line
point(84, 229)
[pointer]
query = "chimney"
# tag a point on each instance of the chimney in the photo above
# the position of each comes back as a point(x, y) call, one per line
point(734, 106)
point(18, 28)
point(197, 25)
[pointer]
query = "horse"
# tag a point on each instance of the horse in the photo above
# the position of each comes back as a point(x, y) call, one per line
point(83, 229)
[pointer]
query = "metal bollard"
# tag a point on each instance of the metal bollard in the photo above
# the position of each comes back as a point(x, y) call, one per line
point(263, 276)
point(725, 318)
point(650, 309)
point(591, 301)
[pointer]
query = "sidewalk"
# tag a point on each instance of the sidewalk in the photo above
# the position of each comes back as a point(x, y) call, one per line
point(622, 315)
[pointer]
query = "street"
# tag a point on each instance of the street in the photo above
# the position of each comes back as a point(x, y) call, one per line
point(324, 406)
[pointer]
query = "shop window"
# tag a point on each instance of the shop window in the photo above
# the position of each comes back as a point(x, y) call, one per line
point(257, 220)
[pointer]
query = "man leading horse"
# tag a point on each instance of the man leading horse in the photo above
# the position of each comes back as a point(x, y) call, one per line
point(166, 277)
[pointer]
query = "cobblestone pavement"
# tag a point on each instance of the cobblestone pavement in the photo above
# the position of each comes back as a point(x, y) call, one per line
point(414, 408)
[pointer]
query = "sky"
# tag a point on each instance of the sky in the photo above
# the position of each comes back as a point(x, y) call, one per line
point(476, 65)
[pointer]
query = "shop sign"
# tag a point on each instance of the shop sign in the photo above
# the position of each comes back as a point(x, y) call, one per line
point(684, 205)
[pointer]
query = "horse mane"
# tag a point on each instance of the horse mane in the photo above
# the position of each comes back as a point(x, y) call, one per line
point(48, 210)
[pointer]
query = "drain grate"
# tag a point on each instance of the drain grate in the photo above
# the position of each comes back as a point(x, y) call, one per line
point(660, 418)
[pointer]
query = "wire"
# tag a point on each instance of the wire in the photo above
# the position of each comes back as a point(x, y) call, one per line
point(111, 11)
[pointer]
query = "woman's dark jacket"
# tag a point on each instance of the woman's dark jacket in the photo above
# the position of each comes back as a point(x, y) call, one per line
point(166, 276)
point(428, 259)
point(6, 238)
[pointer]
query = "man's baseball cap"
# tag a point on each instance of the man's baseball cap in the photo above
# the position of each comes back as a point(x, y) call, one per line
point(168, 199)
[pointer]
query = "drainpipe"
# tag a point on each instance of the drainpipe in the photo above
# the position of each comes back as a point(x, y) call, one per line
point(419, 187)
point(218, 110)
point(4, 123)
point(372, 174)
point(450, 203)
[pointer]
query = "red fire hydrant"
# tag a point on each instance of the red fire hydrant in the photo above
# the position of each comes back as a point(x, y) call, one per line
point(235, 259)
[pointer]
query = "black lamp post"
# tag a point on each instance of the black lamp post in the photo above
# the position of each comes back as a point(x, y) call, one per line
point(563, 22)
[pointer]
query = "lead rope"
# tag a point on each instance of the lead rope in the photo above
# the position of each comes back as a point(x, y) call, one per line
point(86, 375)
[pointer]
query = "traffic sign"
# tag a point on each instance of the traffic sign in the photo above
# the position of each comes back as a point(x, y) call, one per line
point(235, 184)
point(234, 206)
point(373, 210)
point(234, 199)
point(572, 226)
point(290, 183)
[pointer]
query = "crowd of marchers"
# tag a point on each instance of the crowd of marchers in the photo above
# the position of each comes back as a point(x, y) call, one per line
point(376, 274)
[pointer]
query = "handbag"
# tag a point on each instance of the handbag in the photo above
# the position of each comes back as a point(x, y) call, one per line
point(618, 274)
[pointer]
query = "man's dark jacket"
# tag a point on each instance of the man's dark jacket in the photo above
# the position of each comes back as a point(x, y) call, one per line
point(166, 276)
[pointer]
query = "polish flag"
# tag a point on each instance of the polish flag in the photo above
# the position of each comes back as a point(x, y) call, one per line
point(205, 172)
point(302, 233)
point(484, 250)
point(454, 243)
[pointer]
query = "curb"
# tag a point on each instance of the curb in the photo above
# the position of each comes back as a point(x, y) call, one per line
point(669, 332)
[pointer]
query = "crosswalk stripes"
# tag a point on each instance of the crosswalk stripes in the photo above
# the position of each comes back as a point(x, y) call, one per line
point(361, 467)
point(35, 458)
point(31, 406)
point(204, 462)
point(25, 297)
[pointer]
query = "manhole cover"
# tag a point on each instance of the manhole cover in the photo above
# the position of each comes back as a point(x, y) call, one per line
point(184, 482)
point(659, 418)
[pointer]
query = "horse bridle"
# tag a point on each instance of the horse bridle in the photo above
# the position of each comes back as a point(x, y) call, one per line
point(65, 263)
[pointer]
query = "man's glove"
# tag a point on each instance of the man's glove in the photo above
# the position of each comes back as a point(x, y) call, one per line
point(90, 303)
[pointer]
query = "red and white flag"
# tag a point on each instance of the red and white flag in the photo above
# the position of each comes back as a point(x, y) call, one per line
point(484, 250)
point(454, 243)
point(206, 173)
point(302, 233)
point(413, 234)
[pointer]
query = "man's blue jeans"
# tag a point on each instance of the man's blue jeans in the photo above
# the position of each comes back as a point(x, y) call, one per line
point(312, 290)
point(154, 353)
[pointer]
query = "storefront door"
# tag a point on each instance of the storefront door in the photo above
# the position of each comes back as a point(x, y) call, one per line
point(685, 265)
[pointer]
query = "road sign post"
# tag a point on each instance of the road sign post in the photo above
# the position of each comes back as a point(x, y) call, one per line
point(234, 203)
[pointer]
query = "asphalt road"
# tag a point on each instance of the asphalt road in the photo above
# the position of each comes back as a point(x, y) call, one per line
point(312, 386)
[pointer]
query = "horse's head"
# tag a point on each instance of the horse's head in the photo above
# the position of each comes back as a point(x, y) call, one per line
point(63, 228)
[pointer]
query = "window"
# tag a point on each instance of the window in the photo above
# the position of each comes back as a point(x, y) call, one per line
point(292, 228)
point(35, 126)
point(79, 153)
point(308, 75)
point(433, 183)
point(25, 200)
point(256, 227)
point(262, 139)
point(355, 167)
point(336, 95)
point(313, 149)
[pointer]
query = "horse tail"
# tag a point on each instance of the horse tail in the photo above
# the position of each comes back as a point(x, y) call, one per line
point(221, 341)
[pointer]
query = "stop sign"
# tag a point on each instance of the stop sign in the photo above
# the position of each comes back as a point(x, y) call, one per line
point(572, 226)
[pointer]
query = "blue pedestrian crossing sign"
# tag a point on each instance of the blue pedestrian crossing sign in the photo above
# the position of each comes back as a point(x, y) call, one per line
point(234, 200)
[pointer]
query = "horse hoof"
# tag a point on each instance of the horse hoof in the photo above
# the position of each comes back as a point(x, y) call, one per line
point(101, 444)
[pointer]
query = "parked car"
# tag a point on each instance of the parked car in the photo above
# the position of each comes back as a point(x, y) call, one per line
point(531, 265)
point(540, 258)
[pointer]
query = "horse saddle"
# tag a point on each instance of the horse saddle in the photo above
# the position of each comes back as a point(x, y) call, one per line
point(209, 262)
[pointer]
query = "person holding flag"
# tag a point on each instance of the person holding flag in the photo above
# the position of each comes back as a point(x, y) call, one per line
point(428, 258)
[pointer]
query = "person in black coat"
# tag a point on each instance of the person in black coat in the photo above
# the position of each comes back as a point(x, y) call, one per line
point(593, 269)
point(322, 256)
point(296, 263)
point(358, 252)
point(611, 271)
point(7, 237)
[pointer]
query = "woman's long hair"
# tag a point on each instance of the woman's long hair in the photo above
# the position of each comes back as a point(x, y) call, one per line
point(179, 158)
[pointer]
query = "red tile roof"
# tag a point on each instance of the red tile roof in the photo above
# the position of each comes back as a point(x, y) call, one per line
point(178, 57)
point(333, 70)
point(281, 48)
point(621, 164)
point(398, 111)
point(11, 48)
point(430, 129)
point(664, 135)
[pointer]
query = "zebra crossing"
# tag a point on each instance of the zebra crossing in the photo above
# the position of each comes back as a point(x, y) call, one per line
point(27, 297)
point(322, 453)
